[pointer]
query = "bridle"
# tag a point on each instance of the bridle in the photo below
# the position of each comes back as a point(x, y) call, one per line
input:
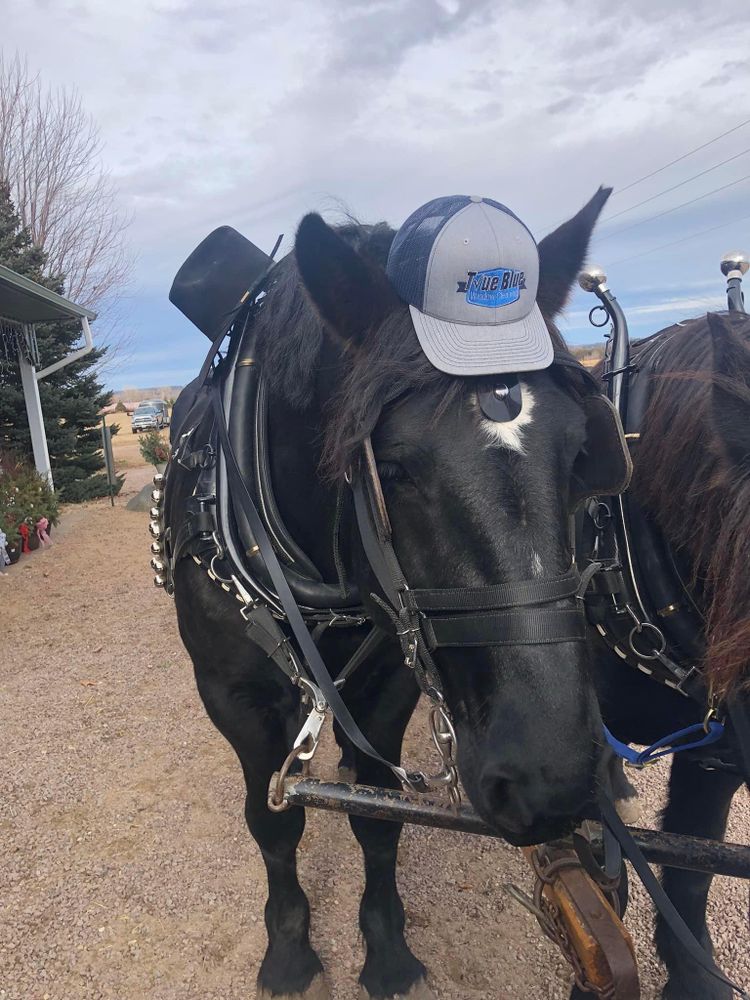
point(508, 614)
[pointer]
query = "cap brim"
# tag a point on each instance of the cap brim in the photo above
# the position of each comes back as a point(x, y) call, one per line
point(465, 349)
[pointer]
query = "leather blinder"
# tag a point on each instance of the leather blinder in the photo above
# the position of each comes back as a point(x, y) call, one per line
point(603, 467)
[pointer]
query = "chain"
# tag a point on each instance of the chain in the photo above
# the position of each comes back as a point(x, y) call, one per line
point(444, 737)
point(549, 918)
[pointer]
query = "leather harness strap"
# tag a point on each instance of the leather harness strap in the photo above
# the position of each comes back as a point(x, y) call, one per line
point(508, 614)
point(526, 627)
point(501, 595)
point(313, 659)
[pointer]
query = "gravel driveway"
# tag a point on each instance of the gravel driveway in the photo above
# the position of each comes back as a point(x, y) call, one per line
point(127, 871)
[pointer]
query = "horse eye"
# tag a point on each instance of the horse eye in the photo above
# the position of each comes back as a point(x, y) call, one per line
point(392, 472)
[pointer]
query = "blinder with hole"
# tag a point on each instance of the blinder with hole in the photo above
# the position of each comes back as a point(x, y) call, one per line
point(500, 398)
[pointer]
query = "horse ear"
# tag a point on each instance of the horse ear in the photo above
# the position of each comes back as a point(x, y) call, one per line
point(563, 252)
point(350, 294)
point(731, 388)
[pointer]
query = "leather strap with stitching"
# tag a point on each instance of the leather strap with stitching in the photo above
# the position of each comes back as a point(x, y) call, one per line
point(528, 627)
point(502, 595)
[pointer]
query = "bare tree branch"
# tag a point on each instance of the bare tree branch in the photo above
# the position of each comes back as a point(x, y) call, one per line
point(50, 155)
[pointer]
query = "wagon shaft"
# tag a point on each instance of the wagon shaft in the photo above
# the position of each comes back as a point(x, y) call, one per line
point(672, 850)
point(570, 908)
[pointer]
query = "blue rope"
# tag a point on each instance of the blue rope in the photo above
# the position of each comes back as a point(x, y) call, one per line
point(667, 744)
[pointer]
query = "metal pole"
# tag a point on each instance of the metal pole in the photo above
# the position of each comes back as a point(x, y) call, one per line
point(35, 417)
point(672, 850)
point(108, 457)
point(594, 280)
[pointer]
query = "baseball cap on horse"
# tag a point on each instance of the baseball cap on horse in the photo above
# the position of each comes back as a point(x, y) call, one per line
point(469, 270)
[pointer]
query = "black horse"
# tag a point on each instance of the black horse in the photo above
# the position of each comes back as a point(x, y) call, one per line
point(692, 479)
point(471, 503)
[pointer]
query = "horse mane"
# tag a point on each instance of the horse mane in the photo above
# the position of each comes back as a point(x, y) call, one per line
point(290, 348)
point(684, 479)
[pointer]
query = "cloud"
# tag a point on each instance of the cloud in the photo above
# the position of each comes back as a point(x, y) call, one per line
point(250, 114)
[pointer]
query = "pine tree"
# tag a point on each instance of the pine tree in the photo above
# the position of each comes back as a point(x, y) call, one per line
point(71, 397)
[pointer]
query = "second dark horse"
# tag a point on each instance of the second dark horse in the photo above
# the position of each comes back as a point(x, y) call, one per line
point(471, 505)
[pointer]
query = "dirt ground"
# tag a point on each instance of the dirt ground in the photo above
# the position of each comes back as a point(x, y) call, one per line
point(125, 867)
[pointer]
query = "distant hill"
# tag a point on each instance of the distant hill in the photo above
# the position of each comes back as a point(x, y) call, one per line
point(588, 354)
point(131, 395)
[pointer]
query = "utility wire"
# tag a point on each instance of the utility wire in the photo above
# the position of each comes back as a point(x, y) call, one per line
point(680, 158)
point(650, 218)
point(658, 170)
point(685, 239)
point(674, 187)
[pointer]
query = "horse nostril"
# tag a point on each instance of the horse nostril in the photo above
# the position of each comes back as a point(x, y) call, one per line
point(502, 796)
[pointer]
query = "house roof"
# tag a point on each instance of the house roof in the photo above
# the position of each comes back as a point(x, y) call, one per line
point(26, 301)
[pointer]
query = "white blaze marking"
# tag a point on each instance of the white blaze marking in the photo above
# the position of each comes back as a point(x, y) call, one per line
point(510, 433)
point(536, 565)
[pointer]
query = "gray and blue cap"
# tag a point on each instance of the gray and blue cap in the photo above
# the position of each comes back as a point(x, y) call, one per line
point(469, 270)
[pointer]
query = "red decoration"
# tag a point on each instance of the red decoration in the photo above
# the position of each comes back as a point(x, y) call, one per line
point(24, 532)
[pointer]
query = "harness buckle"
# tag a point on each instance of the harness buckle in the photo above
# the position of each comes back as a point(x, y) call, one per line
point(310, 731)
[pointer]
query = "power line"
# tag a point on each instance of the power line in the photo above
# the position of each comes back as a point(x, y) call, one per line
point(674, 187)
point(665, 166)
point(680, 158)
point(659, 215)
point(685, 239)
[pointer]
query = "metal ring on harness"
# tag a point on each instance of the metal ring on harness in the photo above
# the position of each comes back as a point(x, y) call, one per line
point(602, 516)
point(597, 309)
point(276, 801)
point(658, 634)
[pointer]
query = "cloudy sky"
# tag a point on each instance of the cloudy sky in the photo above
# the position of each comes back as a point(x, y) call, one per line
point(251, 114)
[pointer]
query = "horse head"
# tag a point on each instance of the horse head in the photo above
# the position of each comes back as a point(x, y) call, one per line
point(473, 502)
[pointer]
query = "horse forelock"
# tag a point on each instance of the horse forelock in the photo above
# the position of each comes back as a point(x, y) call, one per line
point(698, 497)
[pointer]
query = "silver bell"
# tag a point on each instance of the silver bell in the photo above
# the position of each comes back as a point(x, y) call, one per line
point(157, 496)
point(156, 548)
point(155, 513)
point(159, 581)
point(159, 479)
point(157, 565)
point(155, 528)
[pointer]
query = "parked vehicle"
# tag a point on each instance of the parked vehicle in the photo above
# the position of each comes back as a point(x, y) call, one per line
point(149, 417)
point(161, 405)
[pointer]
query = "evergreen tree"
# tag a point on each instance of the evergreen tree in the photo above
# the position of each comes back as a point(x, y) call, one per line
point(71, 397)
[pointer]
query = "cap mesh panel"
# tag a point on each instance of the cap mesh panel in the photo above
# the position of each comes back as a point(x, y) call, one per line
point(411, 248)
